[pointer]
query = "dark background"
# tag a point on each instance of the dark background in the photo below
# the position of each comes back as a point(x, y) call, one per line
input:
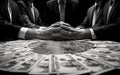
point(83, 6)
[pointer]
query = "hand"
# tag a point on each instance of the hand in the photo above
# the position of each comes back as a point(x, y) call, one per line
point(75, 34)
point(70, 35)
point(36, 26)
point(66, 33)
point(42, 34)
point(70, 29)
point(58, 24)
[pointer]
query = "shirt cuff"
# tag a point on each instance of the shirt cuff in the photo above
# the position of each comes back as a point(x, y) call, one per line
point(22, 33)
point(93, 34)
point(42, 28)
point(78, 28)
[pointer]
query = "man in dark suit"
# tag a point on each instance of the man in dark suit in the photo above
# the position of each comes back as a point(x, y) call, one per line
point(29, 14)
point(10, 21)
point(106, 31)
point(68, 9)
point(94, 14)
point(111, 22)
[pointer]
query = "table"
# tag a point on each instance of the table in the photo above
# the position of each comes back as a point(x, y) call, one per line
point(46, 57)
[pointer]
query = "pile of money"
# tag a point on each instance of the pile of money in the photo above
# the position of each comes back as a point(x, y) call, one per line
point(99, 58)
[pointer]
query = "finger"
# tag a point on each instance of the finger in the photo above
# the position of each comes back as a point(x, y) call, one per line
point(55, 30)
point(58, 22)
point(68, 25)
point(65, 37)
point(65, 33)
point(56, 34)
point(66, 28)
point(55, 25)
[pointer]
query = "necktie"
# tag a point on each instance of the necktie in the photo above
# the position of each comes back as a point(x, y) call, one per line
point(95, 14)
point(62, 10)
point(32, 10)
point(10, 12)
point(110, 7)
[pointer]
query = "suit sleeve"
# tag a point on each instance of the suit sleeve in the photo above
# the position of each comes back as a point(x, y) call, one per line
point(24, 17)
point(7, 30)
point(85, 23)
point(37, 16)
point(109, 32)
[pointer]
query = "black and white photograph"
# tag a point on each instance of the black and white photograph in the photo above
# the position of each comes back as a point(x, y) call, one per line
point(59, 37)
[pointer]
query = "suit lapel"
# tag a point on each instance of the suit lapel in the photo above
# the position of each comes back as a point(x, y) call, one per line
point(4, 8)
point(106, 12)
point(12, 10)
point(30, 14)
point(35, 18)
point(99, 14)
point(28, 9)
point(90, 14)
point(114, 10)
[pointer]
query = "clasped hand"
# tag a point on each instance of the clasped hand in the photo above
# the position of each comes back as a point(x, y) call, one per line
point(67, 32)
point(62, 31)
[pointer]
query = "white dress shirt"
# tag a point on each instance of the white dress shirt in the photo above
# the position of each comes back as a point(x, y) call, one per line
point(33, 13)
point(109, 10)
point(95, 13)
point(22, 32)
point(62, 5)
point(10, 12)
point(111, 2)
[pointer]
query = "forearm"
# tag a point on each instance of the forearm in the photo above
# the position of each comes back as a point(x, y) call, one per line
point(84, 34)
point(9, 31)
point(41, 33)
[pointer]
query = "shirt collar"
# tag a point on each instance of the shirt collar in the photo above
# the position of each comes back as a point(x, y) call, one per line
point(96, 4)
point(59, 1)
point(111, 2)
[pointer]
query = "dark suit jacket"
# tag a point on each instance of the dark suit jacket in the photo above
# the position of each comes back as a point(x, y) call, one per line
point(87, 23)
point(8, 30)
point(25, 10)
point(72, 12)
point(109, 30)
point(40, 5)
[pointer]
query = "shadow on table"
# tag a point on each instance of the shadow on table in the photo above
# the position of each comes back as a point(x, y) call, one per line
point(11, 73)
point(113, 72)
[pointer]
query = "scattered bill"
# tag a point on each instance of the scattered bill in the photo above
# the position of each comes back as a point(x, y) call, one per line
point(8, 65)
point(42, 66)
point(92, 64)
point(64, 63)
point(13, 56)
point(27, 65)
point(111, 59)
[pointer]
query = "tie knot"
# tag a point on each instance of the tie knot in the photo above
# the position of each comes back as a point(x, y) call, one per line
point(111, 2)
point(97, 6)
point(61, 1)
